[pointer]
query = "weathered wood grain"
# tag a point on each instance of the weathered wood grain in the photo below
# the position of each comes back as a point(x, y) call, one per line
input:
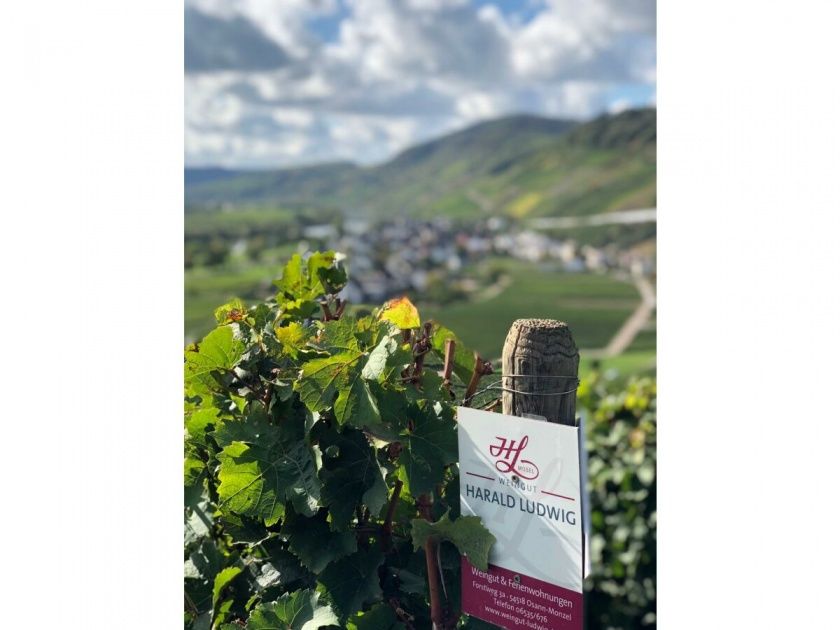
point(540, 357)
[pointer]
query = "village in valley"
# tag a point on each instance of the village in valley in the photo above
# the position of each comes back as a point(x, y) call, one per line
point(403, 255)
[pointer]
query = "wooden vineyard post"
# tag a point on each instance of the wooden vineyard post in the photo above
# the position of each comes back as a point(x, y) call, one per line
point(540, 358)
point(540, 564)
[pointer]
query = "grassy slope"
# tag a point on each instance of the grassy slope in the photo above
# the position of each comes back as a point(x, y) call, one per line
point(594, 306)
point(520, 165)
point(242, 222)
point(315, 185)
point(207, 288)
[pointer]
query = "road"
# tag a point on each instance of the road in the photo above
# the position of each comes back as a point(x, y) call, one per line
point(624, 217)
point(633, 324)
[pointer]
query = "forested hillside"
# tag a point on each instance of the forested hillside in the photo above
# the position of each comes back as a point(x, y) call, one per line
point(519, 166)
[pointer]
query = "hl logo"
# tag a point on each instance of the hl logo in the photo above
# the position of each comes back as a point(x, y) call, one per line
point(507, 453)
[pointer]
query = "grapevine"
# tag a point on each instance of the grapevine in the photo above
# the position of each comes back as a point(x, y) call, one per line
point(319, 475)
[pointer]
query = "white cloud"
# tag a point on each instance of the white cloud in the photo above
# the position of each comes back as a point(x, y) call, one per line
point(401, 71)
point(619, 105)
point(572, 99)
point(291, 117)
point(478, 106)
point(585, 40)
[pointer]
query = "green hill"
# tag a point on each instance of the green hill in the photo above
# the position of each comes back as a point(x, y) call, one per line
point(521, 166)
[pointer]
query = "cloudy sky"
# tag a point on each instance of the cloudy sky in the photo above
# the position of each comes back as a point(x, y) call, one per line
point(286, 82)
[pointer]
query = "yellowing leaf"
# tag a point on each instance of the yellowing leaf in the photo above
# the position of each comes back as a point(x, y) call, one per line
point(292, 337)
point(233, 311)
point(401, 312)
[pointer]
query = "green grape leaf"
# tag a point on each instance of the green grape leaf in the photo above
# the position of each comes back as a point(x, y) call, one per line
point(293, 338)
point(352, 477)
point(257, 477)
point(297, 293)
point(243, 530)
point(355, 403)
point(323, 273)
point(193, 471)
point(200, 569)
point(380, 617)
point(376, 496)
point(383, 431)
point(222, 579)
point(392, 404)
point(378, 358)
point(316, 263)
point(451, 497)
point(294, 279)
point(337, 336)
point(327, 268)
point(370, 330)
point(311, 540)
point(198, 518)
point(428, 448)
point(387, 357)
point(337, 380)
point(322, 378)
point(263, 316)
point(412, 583)
point(204, 562)
point(300, 610)
point(429, 387)
point(299, 308)
point(401, 358)
point(223, 609)
point(279, 569)
point(197, 422)
point(353, 581)
point(219, 351)
point(247, 484)
point(467, 533)
point(254, 428)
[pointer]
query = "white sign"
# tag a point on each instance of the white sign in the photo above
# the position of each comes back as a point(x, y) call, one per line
point(522, 477)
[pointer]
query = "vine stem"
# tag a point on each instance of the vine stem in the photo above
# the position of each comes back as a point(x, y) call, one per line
point(481, 368)
point(432, 566)
point(389, 517)
point(190, 604)
point(421, 349)
point(402, 614)
point(493, 405)
point(424, 501)
point(448, 363)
